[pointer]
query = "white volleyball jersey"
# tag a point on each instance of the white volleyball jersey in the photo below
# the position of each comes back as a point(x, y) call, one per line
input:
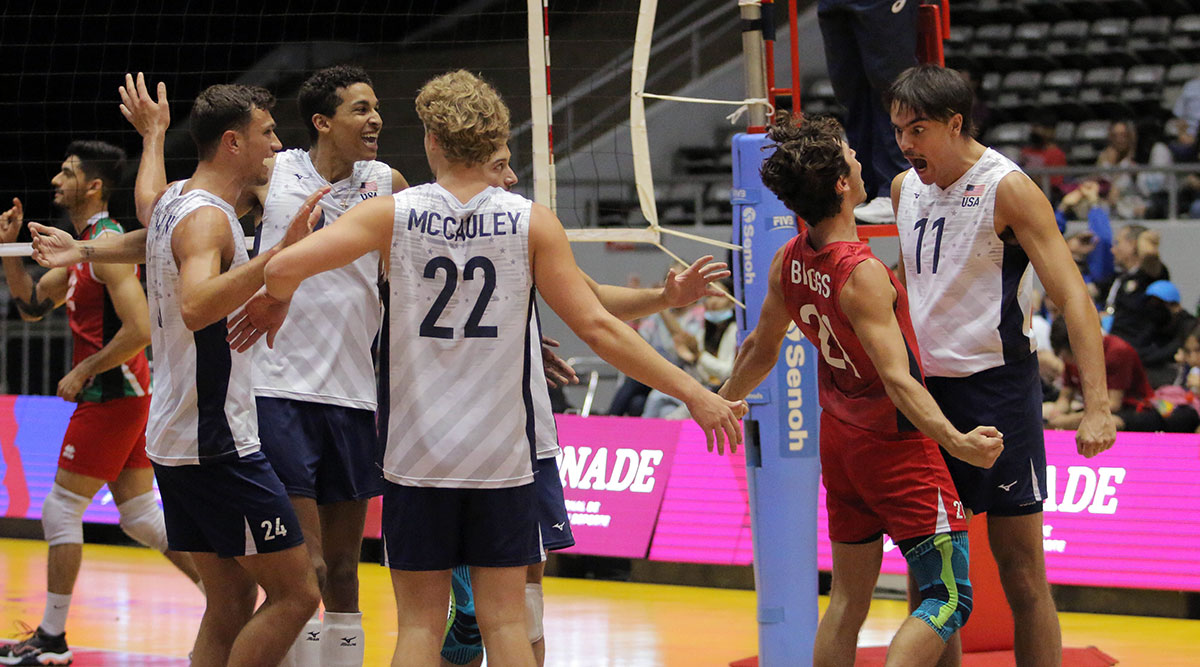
point(459, 366)
point(202, 410)
point(969, 292)
point(322, 352)
point(545, 430)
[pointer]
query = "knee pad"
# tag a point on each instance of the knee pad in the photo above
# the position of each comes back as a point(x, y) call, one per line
point(463, 641)
point(939, 566)
point(142, 520)
point(533, 611)
point(62, 516)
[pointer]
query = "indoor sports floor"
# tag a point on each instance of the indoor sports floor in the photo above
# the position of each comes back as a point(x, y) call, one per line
point(132, 608)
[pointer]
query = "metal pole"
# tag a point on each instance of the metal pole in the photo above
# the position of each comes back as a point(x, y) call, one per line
point(756, 69)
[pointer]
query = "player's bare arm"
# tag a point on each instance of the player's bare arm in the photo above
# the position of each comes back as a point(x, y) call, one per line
point(897, 182)
point(366, 227)
point(151, 118)
point(203, 246)
point(868, 299)
point(1022, 209)
point(559, 282)
point(759, 352)
point(398, 181)
point(680, 289)
point(33, 300)
point(129, 303)
point(53, 247)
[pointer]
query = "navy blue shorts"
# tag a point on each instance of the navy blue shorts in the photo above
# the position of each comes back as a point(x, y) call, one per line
point(326, 452)
point(231, 508)
point(1008, 397)
point(435, 528)
point(552, 507)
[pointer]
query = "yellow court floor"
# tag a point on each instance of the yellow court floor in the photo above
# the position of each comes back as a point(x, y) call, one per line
point(131, 600)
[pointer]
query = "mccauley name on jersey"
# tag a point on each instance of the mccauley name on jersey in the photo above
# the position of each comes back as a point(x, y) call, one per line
point(500, 223)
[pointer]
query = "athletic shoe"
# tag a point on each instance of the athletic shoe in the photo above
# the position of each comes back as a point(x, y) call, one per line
point(878, 211)
point(38, 648)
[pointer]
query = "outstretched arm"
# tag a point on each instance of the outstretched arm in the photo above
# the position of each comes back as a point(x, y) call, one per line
point(759, 352)
point(52, 247)
point(680, 289)
point(560, 283)
point(151, 119)
point(366, 227)
point(1021, 207)
point(868, 300)
point(33, 300)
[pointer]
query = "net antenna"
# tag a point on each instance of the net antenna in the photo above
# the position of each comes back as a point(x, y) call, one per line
point(543, 158)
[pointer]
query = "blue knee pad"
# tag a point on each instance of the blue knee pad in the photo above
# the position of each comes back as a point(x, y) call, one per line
point(462, 643)
point(939, 565)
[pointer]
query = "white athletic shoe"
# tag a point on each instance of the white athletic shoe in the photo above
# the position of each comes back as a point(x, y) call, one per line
point(878, 211)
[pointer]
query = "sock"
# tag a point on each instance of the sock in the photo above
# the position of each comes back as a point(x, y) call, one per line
point(306, 650)
point(342, 644)
point(54, 619)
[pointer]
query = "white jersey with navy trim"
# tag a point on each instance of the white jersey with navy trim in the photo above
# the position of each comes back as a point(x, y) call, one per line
point(460, 351)
point(202, 409)
point(545, 430)
point(322, 352)
point(970, 293)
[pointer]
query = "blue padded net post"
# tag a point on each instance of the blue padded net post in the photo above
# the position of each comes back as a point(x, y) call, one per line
point(782, 463)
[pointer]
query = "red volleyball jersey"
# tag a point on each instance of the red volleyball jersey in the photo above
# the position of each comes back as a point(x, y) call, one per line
point(94, 322)
point(850, 388)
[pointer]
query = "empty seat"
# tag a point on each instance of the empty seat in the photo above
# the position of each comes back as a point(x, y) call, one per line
point(1064, 132)
point(1108, 42)
point(1094, 132)
point(1101, 92)
point(1149, 38)
point(1185, 36)
point(1067, 41)
point(1143, 88)
point(1017, 95)
point(1182, 73)
point(1028, 47)
point(1060, 94)
point(1009, 133)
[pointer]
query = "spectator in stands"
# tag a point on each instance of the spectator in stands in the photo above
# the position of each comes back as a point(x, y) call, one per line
point(1186, 121)
point(1127, 194)
point(1042, 151)
point(867, 44)
point(1092, 250)
point(1171, 326)
point(1136, 253)
point(1151, 150)
point(1129, 392)
point(708, 355)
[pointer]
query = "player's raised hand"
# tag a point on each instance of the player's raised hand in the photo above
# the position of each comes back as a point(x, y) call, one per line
point(262, 314)
point(981, 447)
point(306, 218)
point(694, 282)
point(10, 222)
point(558, 372)
point(53, 247)
point(149, 117)
point(718, 418)
point(1096, 433)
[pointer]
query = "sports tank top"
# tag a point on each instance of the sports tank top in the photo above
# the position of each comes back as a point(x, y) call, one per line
point(202, 410)
point(850, 389)
point(322, 352)
point(94, 322)
point(460, 341)
point(971, 293)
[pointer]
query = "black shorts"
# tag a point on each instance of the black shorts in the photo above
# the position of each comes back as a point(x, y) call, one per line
point(231, 508)
point(320, 451)
point(552, 507)
point(435, 528)
point(1008, 397)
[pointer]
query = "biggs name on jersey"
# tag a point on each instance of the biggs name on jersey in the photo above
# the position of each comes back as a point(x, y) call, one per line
point(810, 278)
point(501, 223)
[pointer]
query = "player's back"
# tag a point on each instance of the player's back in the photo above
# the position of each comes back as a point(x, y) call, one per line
point(459, 339)
point(202, 409)
point(850, 388)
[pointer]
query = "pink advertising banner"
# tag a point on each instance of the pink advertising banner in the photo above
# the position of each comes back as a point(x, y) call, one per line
point(1127, 518)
